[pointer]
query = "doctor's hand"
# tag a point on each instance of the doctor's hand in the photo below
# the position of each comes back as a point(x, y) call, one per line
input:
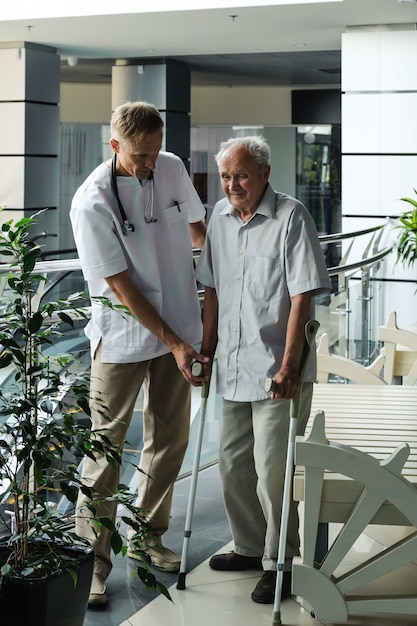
point(185, 355)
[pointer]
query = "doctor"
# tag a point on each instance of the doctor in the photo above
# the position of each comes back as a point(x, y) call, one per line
point(135, 219)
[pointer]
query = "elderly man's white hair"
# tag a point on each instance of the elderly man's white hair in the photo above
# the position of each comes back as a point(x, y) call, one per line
point(254, 144)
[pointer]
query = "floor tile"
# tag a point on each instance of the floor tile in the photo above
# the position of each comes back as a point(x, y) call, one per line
point(228, 604)
point(388, 534)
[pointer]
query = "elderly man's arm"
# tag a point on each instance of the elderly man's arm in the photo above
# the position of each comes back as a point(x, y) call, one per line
point(198, 234)
point(287, 378)
point(210, 323)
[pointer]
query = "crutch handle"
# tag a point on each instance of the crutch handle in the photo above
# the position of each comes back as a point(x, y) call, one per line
point(197, 369)
point(310, 332)
point(270, 385)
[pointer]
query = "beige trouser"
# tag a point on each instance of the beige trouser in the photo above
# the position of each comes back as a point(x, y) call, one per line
point(253, 452)
point(166, 421)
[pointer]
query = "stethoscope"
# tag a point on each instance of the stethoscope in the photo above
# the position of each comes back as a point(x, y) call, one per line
point(128, 227)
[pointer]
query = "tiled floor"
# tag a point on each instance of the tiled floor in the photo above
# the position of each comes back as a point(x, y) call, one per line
point(210, 531)
point(222, 598)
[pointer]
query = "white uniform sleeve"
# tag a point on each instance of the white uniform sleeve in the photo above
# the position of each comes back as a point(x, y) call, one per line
point(98, 245)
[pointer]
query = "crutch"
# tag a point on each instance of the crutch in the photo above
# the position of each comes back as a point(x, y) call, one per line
point(197, 370)
point(310, 332)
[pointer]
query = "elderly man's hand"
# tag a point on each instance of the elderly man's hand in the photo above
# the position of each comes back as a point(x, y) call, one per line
point(285, 384)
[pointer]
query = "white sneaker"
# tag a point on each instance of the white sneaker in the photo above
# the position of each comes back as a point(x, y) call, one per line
point(98, 590)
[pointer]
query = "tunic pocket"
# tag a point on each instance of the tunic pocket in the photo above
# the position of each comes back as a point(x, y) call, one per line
point(122, 331)
point(177, 221)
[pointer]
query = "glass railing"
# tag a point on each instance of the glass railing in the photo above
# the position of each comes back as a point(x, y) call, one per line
point(352, 313)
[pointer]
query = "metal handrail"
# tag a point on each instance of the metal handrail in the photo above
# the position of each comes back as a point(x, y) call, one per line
point(342, 236)
point(333, 271)
point(64, 265)
point(46, 267)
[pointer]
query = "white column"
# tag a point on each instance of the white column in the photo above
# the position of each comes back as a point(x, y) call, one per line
point(379, 144)
point(165, 84)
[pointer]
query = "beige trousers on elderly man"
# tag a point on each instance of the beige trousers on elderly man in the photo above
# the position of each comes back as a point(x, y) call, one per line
point(252, 463)
point(166, 420)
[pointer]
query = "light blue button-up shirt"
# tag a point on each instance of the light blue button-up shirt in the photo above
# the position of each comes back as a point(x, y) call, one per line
point(256, 268)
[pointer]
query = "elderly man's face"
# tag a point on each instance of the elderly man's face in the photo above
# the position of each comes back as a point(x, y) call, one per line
point(243, 180)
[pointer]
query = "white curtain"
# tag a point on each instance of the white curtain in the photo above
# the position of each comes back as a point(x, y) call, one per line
point(82, 150)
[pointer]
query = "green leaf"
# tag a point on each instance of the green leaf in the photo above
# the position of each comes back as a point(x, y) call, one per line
point(6, 570)
point(107, 523)
point(161, 587)
point(116, 542)
point(65, 318)
point(30, 259)
point(35, 322)
point(74, 576)
point(5, 359)
point(71, 493)
point(27, 571)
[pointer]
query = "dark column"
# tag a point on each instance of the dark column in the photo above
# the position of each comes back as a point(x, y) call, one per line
point(29, 123)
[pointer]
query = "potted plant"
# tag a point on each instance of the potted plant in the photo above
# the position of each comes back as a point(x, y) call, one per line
point(407, 243)
point(45, 568)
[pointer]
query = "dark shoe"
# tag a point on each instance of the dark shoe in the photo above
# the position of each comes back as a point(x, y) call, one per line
point(264, 592)
point(232, 562)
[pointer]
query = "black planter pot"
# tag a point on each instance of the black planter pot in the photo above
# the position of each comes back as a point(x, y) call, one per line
point(53, 601)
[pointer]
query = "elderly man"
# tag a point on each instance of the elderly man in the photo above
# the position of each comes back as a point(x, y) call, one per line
point(261, 266)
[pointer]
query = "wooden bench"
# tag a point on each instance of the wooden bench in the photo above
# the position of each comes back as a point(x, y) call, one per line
point(342, 367)
point(399, 350)
point(361, 470)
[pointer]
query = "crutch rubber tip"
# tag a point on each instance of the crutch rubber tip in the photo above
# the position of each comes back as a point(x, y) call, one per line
point(181, 581)
point(276, 619)
point(269, 385)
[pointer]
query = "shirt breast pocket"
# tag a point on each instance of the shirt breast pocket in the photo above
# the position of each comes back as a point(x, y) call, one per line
point(176, 217)
point(264, 277)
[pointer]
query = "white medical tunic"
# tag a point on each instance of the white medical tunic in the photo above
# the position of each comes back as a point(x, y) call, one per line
point(158, 256)
point(256, 268)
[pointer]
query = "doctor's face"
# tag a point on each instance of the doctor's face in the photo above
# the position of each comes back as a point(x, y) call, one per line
point(137, 156)
point(243, 180)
